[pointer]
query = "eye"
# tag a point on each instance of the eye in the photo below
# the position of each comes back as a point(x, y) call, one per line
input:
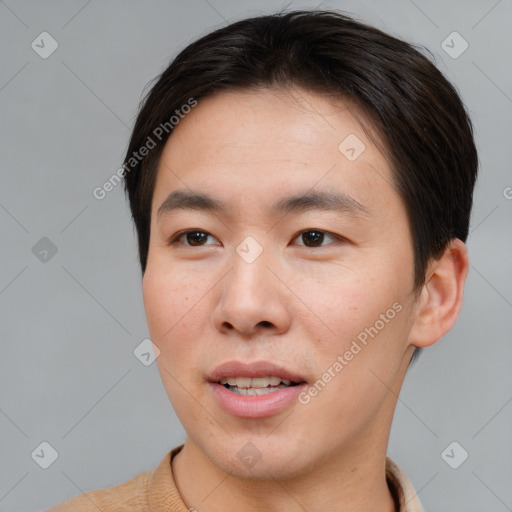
point(309, 238)
point(193, 238)
point(315, 237)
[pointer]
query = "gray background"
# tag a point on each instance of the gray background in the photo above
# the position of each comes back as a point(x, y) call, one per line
point(69, 325)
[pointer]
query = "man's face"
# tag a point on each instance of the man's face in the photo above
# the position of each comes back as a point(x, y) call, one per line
point(324, 292)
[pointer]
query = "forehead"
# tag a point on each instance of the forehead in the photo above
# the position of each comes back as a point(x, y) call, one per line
point(271, 141)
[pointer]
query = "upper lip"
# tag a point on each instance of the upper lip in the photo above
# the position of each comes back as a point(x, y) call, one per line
point(254, 369)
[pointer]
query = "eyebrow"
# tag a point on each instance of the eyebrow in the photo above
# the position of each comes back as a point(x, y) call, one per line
point(327, 200)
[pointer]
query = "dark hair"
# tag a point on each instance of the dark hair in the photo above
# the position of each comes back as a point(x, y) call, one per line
point(411, 106)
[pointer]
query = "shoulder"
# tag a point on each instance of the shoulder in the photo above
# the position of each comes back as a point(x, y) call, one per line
point(150, 490)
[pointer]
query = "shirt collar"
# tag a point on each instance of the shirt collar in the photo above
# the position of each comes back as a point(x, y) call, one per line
point(401, 488)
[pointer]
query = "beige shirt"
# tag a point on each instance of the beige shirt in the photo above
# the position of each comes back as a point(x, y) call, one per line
point(155, 491)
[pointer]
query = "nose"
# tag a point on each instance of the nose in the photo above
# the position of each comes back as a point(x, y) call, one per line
point(253, 298)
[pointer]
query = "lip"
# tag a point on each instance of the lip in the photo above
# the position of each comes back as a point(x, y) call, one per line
point(252, 407)
point(255, 369)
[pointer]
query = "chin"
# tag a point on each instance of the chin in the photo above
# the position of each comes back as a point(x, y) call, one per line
point(261, 460)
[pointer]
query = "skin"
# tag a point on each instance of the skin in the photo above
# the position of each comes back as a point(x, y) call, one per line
point(295, 305)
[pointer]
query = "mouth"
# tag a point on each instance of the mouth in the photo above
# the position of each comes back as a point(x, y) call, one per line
point(259, 375)
point(255, 390)
point(256, 386)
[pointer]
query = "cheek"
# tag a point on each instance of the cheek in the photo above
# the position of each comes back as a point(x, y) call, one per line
point(159, 302)
point(360, 316)
point(176, 308)
point(343, 304)
point(173, 313)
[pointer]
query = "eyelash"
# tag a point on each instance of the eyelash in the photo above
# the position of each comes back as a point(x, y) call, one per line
point(336, 238)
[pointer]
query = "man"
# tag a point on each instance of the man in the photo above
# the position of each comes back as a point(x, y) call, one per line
point(301, 185)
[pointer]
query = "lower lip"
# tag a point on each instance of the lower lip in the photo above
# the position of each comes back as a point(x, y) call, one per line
point(262, 406)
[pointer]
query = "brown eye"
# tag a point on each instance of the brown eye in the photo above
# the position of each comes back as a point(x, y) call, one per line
point(312, 238)
point(193, 238)
point(196, 237)
point(315, 238)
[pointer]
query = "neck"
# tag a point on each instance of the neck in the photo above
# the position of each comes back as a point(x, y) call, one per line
point(348, 482)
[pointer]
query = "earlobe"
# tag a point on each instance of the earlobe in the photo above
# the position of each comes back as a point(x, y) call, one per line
point(440, 300)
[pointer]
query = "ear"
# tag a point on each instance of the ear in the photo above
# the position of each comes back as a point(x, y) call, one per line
point(440, 300)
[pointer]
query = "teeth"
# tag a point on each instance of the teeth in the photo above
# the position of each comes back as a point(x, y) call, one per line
point(255, 391)
point(256, 382)
point(241, 382)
